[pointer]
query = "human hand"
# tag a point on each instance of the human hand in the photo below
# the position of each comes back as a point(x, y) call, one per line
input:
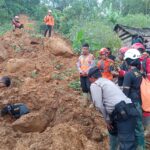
point(109, 126)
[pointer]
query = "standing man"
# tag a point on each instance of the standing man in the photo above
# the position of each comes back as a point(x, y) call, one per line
point(85, 62)
point(105, 64)
point(131, 88)
point(49, 21)
point(117, 110)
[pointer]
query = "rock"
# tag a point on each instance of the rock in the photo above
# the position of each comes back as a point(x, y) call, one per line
point(3, 53)
point(32, 122)
point(58, 47)
point(14, 65)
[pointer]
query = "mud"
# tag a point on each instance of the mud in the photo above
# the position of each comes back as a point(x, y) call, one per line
point(40, 79)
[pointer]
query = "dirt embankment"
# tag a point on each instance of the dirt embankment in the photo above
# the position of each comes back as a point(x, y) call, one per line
point(41, 69)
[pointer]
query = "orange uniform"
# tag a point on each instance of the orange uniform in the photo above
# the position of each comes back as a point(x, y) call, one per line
point(106, 67)
point(49, 20)
point(85, 63)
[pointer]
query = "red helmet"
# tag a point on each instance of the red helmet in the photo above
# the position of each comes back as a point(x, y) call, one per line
point(138, 46)
point(103, 51)
point(123, 50)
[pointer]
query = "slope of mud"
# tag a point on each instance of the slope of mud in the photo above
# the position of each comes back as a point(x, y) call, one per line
point(41, 69)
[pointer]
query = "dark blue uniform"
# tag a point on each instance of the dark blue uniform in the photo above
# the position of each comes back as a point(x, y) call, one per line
point(131, 88)
point(124, 66)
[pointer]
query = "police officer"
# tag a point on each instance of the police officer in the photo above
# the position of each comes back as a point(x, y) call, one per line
point(117, 109)
point(131, 88)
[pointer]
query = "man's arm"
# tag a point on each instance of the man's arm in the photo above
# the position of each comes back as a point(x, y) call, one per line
point(78, 66)
point(96, 92)
point(127, 84)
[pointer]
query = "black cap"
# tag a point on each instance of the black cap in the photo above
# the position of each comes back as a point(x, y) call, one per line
point(6, 80)
point(85, 45)
point(94, 72)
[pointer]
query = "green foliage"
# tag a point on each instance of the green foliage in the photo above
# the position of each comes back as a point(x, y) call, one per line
point(5, 28)
point(136, 20)
point(110, 15)
point(58, 76)
point(69, 72)
point(75, 85)
point(34, 74)
point(128, 6)
point(80, 20)
point(59, 66)
point(96, 34)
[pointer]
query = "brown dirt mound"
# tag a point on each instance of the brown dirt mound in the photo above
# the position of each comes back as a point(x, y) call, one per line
point(41, 70)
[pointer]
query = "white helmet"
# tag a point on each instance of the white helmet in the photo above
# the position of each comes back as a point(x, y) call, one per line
point(16, 17)
point(132, 54)
point(50, 11)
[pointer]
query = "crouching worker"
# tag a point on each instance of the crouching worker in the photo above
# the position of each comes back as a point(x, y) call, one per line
point(16, 23)
point(117, 110)
point(15, 110)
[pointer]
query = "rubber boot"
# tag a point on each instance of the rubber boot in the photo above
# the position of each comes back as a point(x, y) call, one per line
point(84, 101)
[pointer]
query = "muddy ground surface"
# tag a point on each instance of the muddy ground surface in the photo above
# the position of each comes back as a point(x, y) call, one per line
point(41, 70)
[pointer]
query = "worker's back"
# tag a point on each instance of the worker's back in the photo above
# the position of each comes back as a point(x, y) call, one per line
point(111, 94)
point(105, 67)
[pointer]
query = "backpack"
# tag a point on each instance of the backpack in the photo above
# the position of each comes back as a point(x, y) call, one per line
point(145, 94)
point(15, 110)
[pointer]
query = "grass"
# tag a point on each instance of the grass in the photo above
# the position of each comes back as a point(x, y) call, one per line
point(75, 85)
point(34, 74)
point(58, 77)
point(69, 72)
point(4, 28)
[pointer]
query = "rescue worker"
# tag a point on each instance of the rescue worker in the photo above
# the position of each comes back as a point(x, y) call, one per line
point(49, 21)
point(117, 109)
point(5, 81)
point(85, 62)
point(140, 47)
point(124, 67)
point(105, 64)
point(16, 23)
point(131, 88)
point(137, 39)
point(145, 94)
point(14, 110)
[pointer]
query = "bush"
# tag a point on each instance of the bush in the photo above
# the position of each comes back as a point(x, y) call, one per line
point(5, 27)
point(75, 85)
point(96, 34)
point(137, 20)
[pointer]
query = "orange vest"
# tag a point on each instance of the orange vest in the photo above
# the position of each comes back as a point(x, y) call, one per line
point(104, 66)
point(145, 94)
point(85, 62)
point(49, 20)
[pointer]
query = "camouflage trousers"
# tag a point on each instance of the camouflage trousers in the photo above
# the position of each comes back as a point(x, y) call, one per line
point(139, 130)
